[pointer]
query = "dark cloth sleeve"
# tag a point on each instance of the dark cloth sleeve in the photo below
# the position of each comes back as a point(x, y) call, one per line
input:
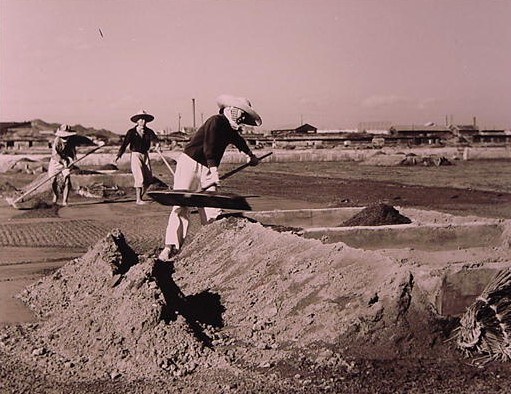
point(125, 142)
point(240, 143)
point(212, 133)
point(72, 153)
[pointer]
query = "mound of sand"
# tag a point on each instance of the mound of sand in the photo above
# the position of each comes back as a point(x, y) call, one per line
point(109, 313)
point(377, 215)
point(240, 294)
point(400, 159)
point(28, 166)
point(283, 292)
point(108, 167)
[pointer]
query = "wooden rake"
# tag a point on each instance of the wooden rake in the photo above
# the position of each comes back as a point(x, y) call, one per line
point(13, 201)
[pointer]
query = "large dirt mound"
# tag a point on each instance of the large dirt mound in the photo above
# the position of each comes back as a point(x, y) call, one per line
point(377, 215)
point(106, 314)
point(283, 292)
point(241, 295)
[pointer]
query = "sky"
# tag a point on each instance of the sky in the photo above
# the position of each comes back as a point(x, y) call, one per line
point(330, 63)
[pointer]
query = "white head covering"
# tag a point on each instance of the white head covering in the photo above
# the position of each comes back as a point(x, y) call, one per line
point(251, 117)
point(234, 116)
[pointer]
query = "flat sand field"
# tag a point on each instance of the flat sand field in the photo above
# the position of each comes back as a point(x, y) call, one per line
point(260, 348)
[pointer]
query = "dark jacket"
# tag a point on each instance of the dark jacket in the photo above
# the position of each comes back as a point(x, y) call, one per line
point(208, 144)
point(136, 142)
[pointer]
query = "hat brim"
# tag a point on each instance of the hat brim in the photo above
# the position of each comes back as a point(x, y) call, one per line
point(61, 133)
point(252, 118)
point(147, 117)
point(81, 140)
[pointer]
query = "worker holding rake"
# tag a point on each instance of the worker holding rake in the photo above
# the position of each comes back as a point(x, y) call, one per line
point(139, 139)
point(63, 153)
point(197, 166)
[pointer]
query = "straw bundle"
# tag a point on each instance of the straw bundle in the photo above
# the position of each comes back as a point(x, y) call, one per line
point(485, 328)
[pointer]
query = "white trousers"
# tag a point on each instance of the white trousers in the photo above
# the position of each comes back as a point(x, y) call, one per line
point(141, 169)
point(189, 176)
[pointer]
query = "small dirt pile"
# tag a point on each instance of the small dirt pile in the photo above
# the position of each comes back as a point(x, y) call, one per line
point(426, 161)
point(100, 190)
point(377, 215)
point(28, 166)
point(108, 167)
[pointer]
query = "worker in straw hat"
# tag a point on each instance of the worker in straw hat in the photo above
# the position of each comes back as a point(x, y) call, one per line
point(139, 139)
point(197, 166)
point(63, 153)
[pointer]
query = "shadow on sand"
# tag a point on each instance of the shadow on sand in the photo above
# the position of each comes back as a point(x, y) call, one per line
point(200, 309)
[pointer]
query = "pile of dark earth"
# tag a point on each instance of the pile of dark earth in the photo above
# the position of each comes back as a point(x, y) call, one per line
point(377, 215)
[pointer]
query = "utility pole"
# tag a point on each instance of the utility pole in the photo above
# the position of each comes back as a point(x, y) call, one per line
point(193, 110)
point(179, 121)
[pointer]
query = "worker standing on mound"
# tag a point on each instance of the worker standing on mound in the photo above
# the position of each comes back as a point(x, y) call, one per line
point(197, 166)
point(63, 153)
point(139, 139)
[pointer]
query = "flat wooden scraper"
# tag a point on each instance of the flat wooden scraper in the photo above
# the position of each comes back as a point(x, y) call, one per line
point(201, 199)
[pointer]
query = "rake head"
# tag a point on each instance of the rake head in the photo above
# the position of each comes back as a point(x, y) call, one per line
point(12, 202)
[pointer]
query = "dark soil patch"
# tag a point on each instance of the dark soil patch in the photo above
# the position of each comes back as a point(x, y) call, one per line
point(79, 171)
point(108, 167)
point(377, 215)
point(335, 192)
point(40, 209)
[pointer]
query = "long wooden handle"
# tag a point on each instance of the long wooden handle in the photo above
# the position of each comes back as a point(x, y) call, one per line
point(20, 198)
point(166, 162)
point(238, 169)
point(234, 171)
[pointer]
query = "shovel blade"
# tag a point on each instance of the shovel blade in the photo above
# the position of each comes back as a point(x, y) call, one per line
point(204, 199)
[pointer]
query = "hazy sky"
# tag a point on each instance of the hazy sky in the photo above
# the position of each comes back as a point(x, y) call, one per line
point(330, 63)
